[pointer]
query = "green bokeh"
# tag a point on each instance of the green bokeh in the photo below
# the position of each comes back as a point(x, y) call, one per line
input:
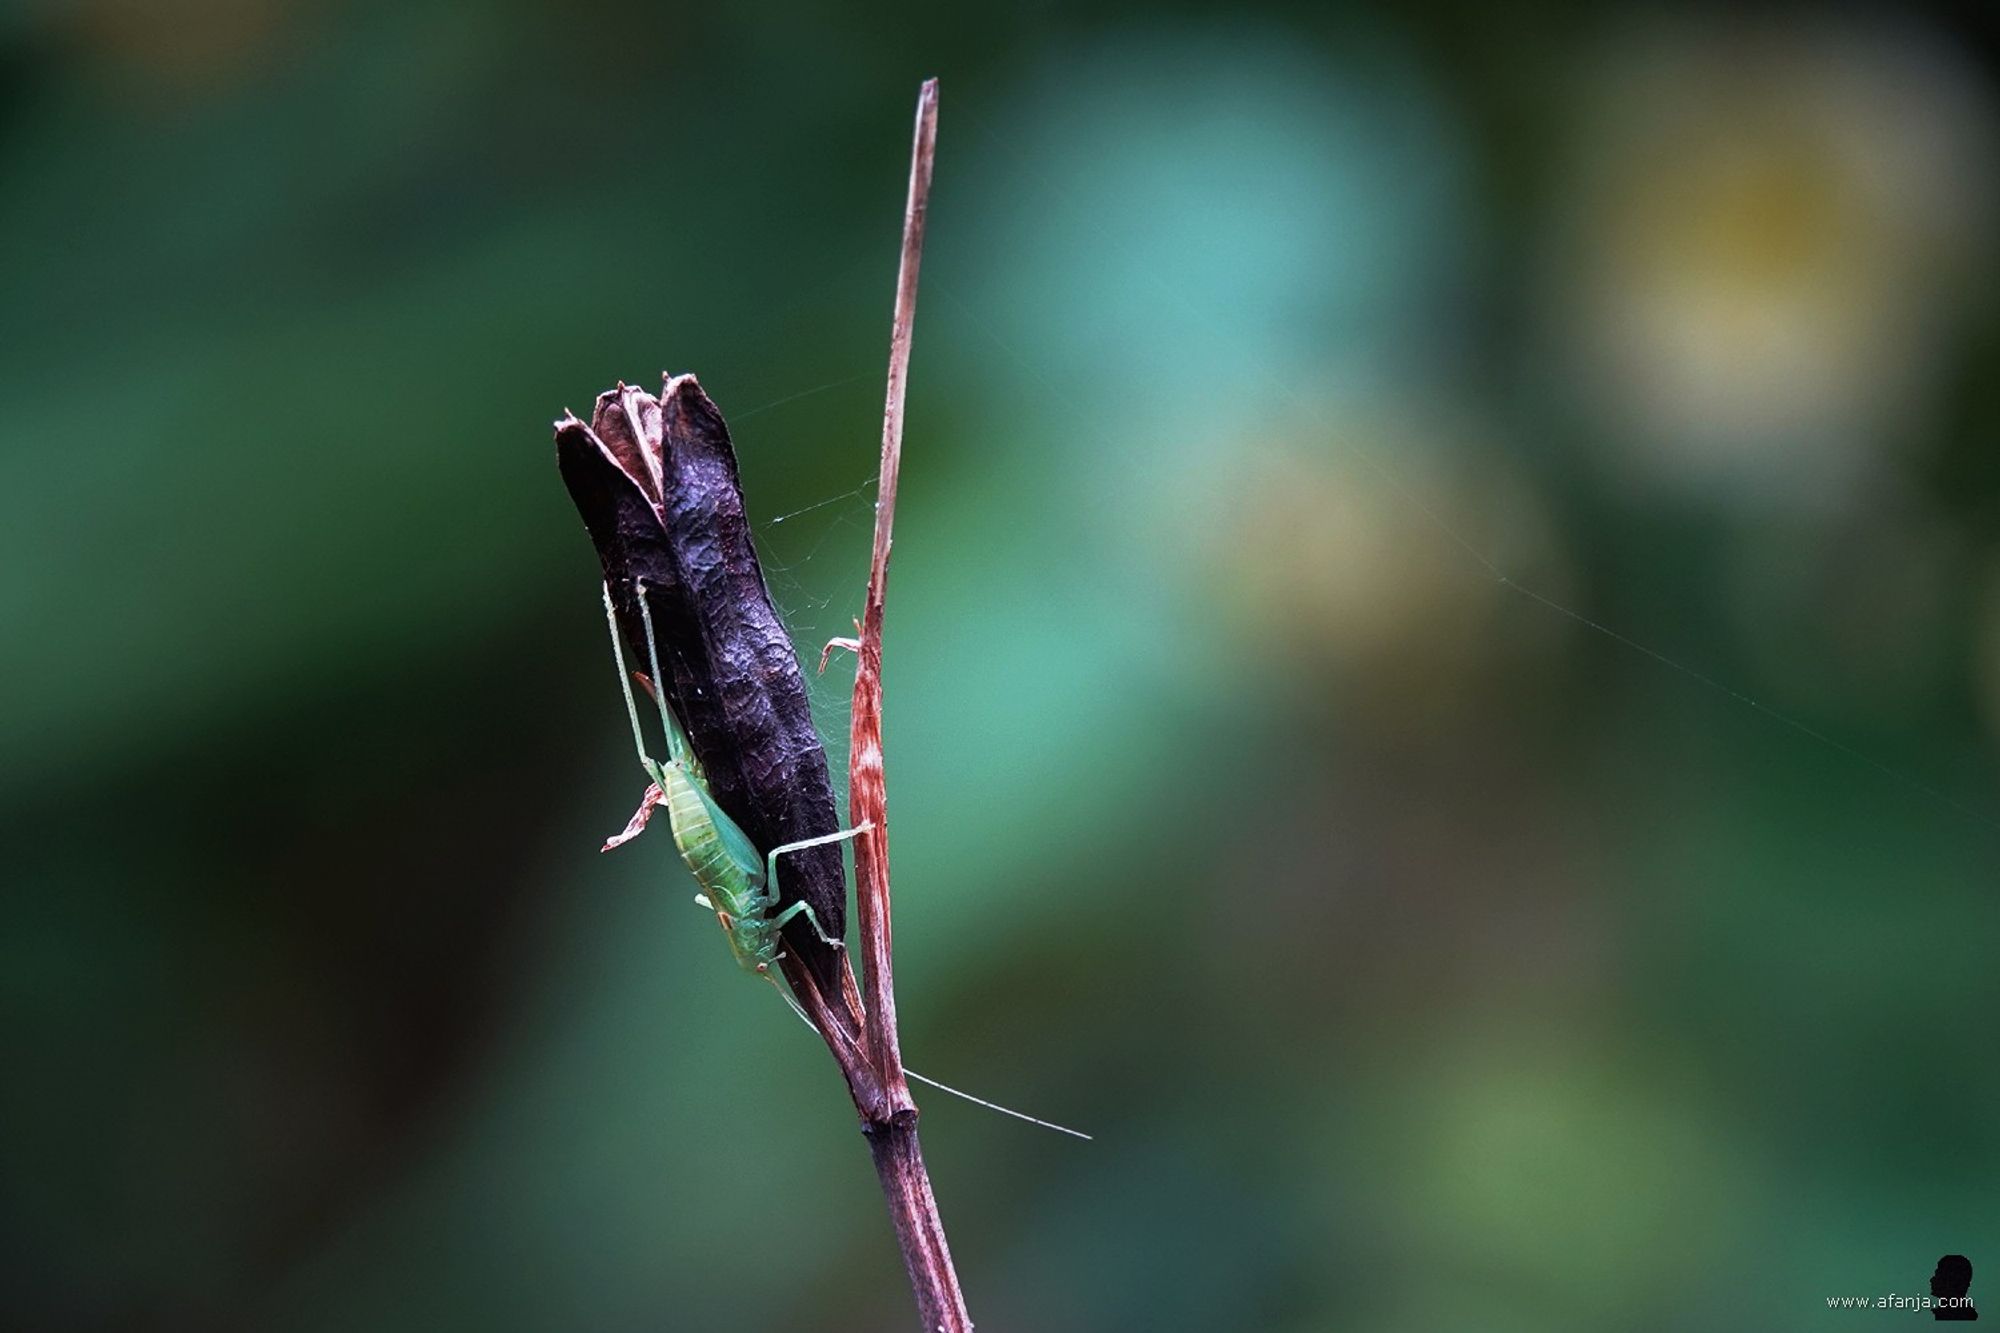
point(1443, 666)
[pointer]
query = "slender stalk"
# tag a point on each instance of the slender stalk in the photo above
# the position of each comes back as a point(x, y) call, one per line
point(892, 1129)
point(683, 551)
point(867, 791)
point(859, 1023)
point(906, 1186)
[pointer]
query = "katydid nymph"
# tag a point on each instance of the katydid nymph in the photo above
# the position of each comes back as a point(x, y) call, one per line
point(737, 883)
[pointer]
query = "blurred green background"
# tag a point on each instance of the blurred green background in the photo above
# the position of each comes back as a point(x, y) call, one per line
point(1443, 669)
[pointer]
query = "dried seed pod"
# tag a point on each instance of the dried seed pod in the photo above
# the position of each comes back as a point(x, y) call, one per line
point(656, 483)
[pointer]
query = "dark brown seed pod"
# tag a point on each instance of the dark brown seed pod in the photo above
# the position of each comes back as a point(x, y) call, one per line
point(656, 483)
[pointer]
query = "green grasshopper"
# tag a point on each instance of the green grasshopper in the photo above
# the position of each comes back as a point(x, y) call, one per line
point(738, 885)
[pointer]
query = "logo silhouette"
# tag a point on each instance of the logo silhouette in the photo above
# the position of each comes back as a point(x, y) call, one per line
point(1951, 1281)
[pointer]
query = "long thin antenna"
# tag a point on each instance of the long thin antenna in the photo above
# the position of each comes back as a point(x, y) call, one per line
point(995, 1106)
point(946, 1087)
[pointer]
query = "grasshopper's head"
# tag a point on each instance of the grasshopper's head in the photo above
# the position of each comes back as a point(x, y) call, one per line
point(748, 944)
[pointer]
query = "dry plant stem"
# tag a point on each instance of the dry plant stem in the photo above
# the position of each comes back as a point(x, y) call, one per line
point(867, 791)
point(892, 1137)
point(685, 549)
point(841, 1029)
point(906, 1185)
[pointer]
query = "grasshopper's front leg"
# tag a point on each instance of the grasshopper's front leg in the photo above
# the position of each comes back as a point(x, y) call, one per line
point(678, 749)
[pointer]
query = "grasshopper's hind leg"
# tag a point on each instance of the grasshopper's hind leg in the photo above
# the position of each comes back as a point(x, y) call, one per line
point(779, 922)
point(771, 861)
point(771, 878)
